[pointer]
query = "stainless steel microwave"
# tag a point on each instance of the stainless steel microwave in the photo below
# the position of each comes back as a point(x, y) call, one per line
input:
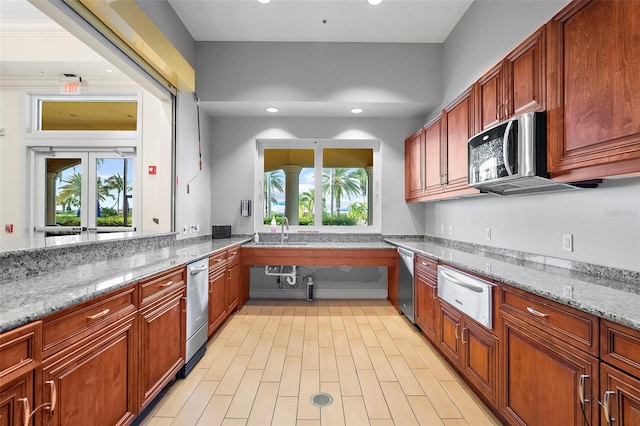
point(511, 157)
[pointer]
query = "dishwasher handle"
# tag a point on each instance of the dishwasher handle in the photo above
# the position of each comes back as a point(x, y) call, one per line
point(408, 254)
point(195, 271)
point(467, 285)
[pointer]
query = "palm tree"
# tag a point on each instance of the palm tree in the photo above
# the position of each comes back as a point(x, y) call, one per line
point(116, 183)
point(70, 193)
point(363, 180)
point(358, 211)
point(307, 200)
point(273, 182)
point(338, 182)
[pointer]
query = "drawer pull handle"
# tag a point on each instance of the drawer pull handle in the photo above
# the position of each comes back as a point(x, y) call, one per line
point(98, 315)
point(606, 407)
point(26, 411)
point(456, 331)
point(583, 378)
point(219, 260)
point(167, 284)
point(464, 330)
point(536, 313)
point(54, 395)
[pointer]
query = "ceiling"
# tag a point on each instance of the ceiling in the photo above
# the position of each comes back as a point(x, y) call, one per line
point(393, 21)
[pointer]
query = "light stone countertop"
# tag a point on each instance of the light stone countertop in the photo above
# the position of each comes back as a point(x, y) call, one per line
point(607, 298)
point(29, 299)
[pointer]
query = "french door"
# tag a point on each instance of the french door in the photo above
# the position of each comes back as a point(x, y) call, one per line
point(84, 192)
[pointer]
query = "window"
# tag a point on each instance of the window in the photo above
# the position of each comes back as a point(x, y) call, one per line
point(344, 173)
point(60, 114)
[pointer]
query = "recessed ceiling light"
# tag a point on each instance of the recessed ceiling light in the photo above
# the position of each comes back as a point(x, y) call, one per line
point(356, 110)
point(264, 1)
point(272, 109)
point(374, 2)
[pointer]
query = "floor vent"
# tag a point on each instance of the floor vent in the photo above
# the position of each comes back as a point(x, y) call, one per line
point(321, 399)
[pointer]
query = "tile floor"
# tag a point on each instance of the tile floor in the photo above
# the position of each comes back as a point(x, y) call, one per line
point(264, 364)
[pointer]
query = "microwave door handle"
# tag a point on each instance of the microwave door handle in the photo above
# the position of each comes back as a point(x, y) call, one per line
point(505, 148)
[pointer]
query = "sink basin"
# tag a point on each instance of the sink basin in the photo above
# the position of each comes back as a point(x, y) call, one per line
point(278, 243)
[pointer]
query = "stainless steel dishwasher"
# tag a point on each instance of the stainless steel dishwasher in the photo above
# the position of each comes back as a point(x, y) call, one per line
point(405, 283)
point(197, 313)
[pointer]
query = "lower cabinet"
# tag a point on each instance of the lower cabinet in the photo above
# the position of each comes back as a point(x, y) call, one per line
point(217, 302)
point(471, 348)
point(544, 378)
point(162, 344)
point(93, 382)
point(233, 286)
point(426, 297)
point(14, 408)
point(620, 395)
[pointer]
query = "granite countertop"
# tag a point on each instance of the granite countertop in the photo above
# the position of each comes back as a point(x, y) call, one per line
point(376, 245)
point(605, 297)
point(29, 299)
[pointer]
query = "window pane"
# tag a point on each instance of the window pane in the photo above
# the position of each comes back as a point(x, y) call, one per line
point(88, 115)
point(289, 186)
point(346, 177)
point(63, 191)
point(114, 192)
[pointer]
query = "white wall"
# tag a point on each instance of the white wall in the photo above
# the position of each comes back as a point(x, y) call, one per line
point(605, 222)
point(319, 72)
point(233, 145)
point(13, 183)
point(156, 150)
point(193, 207)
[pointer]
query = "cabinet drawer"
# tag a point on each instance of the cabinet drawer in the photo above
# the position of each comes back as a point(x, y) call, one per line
point(426, 264)
point(158, 285)
point(233, 254)
point(620, 347)
point(217, 260)
point(570, 325)
point(70, 325)
point(21, 351)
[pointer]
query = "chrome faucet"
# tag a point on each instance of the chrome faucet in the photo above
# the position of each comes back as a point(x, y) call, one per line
point(285, 220)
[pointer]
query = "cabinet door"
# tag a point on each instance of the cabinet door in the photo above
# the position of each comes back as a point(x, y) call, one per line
point(542, 378)
point(426, 304)
point(450, 322)
point(491, 106)
point(480, 359)
point(414, 167)
point(525, 76)
point(162, 344)
point(217, 301)
point(12, 410)
point(95, 379)
point(620, 395)
point(233, 286)
point(458, 129)
point(593, 90)
point(433, 166)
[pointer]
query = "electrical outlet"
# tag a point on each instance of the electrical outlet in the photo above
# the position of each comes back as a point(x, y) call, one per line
point(442, 229)
point(184, 229)
point(487, 233)
point(567, 242)
point(487, 267)
point(451, 230)
point(197, 227)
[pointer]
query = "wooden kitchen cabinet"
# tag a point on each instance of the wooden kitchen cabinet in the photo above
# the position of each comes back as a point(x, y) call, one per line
point(548, 353)
point(21, 355)
point(95, 379)
point(414, 167)
point(217, 285)
point(91, 361)
point(434, 161)
point(233, 279)
point(471, 348)
point(162, 320)
point(457, 128)
point(514, 86)
point(426, 298)
point(619, 374)
point(593, 90)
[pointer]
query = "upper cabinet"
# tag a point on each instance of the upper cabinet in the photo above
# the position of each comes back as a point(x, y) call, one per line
point(593, 90)
point(414, 165)
point(513, 86)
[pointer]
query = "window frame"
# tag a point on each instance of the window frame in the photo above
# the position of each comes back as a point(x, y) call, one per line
point(318, 145)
